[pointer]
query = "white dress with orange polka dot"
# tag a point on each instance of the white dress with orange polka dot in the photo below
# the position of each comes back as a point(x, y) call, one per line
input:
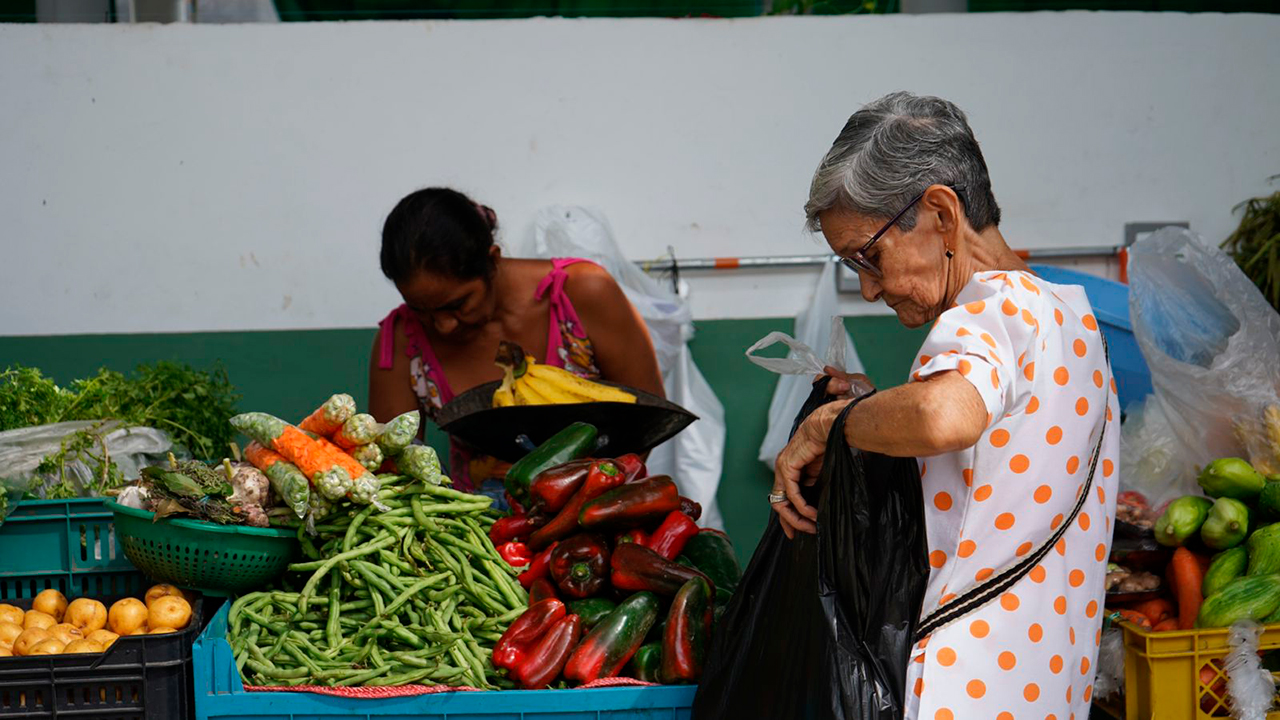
point(1034, 352)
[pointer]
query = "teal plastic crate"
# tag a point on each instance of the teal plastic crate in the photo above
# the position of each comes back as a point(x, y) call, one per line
point(220, 695)
point(68, 545)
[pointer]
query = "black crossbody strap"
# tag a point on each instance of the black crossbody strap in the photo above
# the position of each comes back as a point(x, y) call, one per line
point(1002, 582)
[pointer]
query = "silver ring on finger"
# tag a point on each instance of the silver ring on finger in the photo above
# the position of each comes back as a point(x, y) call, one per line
point(777, 498)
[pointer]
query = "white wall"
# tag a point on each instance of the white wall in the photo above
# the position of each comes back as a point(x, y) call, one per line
point(169, 178)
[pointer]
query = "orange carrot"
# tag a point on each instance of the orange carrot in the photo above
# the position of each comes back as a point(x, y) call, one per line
point(1158, 610)
point(343, 458)
point(328, 418)
point(1166, 624)
point(1135, 617)
point(309, 455)
point(1185, 578)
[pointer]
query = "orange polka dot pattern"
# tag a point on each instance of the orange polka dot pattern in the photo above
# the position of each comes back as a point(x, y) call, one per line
point(1032, 352)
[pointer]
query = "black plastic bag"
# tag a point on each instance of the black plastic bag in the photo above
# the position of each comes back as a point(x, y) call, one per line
point(821, 626)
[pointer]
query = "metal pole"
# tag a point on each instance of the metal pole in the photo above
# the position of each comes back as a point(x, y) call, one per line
point(795, 261)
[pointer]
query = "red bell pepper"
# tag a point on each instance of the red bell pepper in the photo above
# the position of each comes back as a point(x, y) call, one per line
point(541, 589)
point(512, 528)
point(516, 554)
point(552, 489)
point(539, 568)
point(514, 645)
point(636, 536)
point(690, 508)
point(638, 568)
point(603, 476)
point(580, 565)
point(632, 466)
point(688, 633)
point(669, 539)
point(548, 657)
point(637, 505)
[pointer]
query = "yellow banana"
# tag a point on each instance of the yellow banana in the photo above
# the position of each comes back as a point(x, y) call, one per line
point(504, 396)
point(551, 392)
point(573, 385)
point(526, 395)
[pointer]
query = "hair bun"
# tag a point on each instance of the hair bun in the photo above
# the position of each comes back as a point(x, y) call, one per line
point(490, 217)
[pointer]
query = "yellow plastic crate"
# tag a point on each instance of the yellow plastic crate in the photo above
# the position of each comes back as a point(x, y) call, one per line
point(1162, 673)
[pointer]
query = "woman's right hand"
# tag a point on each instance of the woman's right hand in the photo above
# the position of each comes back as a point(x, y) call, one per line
point(851, 385)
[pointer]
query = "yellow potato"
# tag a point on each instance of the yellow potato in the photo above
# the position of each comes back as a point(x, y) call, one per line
point(11, 614)
point(104, 638)
point(52, 603)
point(164, 590)
point(51, 646)
point(126, 616)
point(82, 646)
point(169, 612)
point(66, 633)
point(9, 632)
point(29, 639)
point(37, 619)
point(86, 614)
point(161, 631)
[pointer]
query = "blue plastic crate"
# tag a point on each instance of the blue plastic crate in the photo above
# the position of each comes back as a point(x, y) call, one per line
point(1110, 301)
point(68, 545)
point(220, 695)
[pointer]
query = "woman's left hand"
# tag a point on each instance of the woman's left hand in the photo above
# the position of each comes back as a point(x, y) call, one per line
point(801, 460)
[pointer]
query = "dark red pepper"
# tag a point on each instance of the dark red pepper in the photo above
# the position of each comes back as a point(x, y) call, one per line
point(632, 466)
point(636, 505)
point(552, 489)
point(512, 528)
point(688, 632)
point(636, 536)
point(690, 508)
point(516, 554)
point(546, 660)
point(514, 645)
point(638, 568)
point(539, 568)
point(669, 539)
point(603, 477)
point(541, 589)
point(580, 565)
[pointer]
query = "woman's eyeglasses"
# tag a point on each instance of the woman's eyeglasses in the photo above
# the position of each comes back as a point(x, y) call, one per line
point(858, 259)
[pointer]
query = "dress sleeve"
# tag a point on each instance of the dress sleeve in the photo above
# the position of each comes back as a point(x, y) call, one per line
point(987, 337)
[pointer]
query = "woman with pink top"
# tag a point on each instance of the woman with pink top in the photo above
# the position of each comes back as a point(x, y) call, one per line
point(462, 297)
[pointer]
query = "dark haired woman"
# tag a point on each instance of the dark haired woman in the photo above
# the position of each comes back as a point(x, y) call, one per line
point(462, 297)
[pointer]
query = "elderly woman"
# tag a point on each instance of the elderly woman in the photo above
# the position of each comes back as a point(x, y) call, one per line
point(1010, 410)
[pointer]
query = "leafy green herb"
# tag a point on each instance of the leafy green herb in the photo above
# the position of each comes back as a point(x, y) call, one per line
point(1255, 245)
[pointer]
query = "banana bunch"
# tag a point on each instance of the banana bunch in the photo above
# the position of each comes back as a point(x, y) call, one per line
point(525, 382)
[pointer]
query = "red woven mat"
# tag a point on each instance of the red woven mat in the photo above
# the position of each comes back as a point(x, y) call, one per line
point(376, 693)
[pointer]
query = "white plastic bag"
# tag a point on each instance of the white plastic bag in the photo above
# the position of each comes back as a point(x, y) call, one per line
point(23, 449)
point(819, 333)
point(695, 457)
point(1212, 343)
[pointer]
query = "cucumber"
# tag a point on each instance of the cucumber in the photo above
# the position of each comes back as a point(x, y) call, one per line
point(1231, 477)
point(1182, 519)
point(1264, 550)
point(1253, 597)
point(1226, 566)
point(1226, 525)
point(1269, 500)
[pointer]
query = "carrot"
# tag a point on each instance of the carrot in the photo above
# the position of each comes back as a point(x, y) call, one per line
point(328, 418)
point(1135, 617)
point(1158, 610)
point(1185, 578)
point(1166, 624)
point(342, 458)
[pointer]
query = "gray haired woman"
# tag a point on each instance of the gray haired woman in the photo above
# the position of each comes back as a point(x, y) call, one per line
point(1010, 410)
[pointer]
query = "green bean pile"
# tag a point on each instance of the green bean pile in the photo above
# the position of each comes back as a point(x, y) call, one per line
point(414, 594)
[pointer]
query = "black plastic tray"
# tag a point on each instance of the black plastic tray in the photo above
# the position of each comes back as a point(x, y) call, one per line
point(509, 433)
point(145, 677)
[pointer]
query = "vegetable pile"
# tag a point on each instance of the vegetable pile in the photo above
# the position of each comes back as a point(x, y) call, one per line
point(406, 589)
point(1238, 518)
point(622, 581)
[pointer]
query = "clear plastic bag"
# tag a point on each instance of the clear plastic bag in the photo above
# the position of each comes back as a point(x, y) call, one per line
point(820, 333)
point(23, 449)
point(694, 457)
point(1212, 343)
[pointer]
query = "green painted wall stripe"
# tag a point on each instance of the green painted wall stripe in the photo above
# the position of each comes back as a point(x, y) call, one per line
point(288, 373)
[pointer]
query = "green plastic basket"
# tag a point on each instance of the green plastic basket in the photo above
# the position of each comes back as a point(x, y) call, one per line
point(215, 559)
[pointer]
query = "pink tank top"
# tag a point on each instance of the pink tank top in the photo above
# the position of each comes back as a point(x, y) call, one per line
point(567, 346)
